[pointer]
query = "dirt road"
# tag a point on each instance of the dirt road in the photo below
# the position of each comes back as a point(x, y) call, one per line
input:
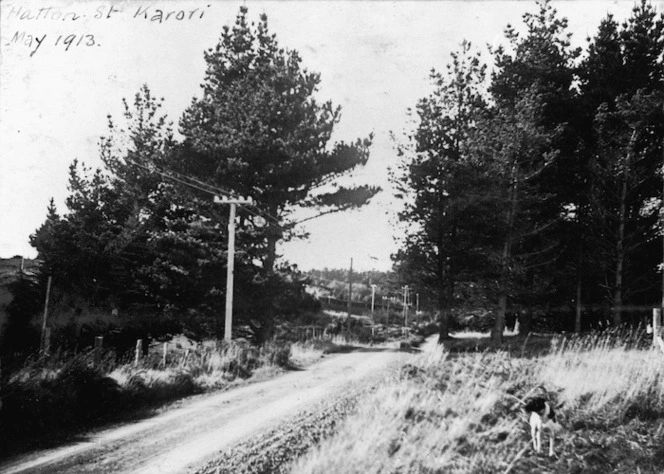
point(187, 437)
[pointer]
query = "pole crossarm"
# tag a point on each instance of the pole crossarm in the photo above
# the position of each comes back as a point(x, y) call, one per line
point(233, 200)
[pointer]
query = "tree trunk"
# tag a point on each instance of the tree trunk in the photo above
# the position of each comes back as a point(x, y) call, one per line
point(274, 235)
point(444, 305)
point(525, 321)
point(620, 243)
point(499, 326)
point(444, 323)
point(577, 316)
point(271, 256)
point(620, 256)
point(579, 273)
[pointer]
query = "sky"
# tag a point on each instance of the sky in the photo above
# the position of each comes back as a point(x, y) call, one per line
point(66, 65)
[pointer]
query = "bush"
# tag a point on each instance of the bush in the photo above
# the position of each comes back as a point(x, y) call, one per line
point(64, 393)
point(276, 353)
point(146, 387)
point(427, 329)
point(481, 321)
point(42, 399)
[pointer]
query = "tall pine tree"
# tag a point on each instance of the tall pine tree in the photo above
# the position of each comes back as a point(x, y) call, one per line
point(435, 180)
point(258, 130)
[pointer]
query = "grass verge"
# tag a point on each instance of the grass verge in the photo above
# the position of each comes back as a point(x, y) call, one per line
point(462, 413)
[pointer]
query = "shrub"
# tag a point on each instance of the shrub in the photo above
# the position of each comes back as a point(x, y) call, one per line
point(276, 353)
point(39, 399)
point(63, 393)
point(427, 329)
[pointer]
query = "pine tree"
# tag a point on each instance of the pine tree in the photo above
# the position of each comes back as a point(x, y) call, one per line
point(628, 160)
point(621, 80)
point(509, 142)
point(531, 138)
point(258, 130)
point(131, 239)
point(435, 180)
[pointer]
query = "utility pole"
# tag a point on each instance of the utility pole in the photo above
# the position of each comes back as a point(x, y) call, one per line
point(387, 313)
point(350, 291)
point(417, 303)
point(230, 265)
point(405, 306)
point(373, 297)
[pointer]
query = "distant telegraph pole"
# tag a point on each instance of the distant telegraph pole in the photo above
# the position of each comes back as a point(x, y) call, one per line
point(230, 266)
point(373, 299)
point(405, 306)
point(350, 290)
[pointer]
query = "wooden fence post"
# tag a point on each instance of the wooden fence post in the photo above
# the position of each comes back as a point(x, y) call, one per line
point(139, 351)
point(657, 328)
point(42, 342)
point(655, 321)
point(99, 342)
point(163, 358)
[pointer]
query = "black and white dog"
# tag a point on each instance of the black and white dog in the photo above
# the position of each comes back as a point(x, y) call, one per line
point(542, 416)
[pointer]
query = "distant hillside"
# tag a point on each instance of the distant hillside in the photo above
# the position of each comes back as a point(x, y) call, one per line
point(333, 282)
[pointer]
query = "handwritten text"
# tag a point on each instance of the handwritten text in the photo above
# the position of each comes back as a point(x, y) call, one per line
point(105, 12)
point(79, 30)
point(34, 42)
point(158, 15)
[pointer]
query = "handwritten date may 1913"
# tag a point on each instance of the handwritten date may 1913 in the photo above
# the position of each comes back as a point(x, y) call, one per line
point(66, 42)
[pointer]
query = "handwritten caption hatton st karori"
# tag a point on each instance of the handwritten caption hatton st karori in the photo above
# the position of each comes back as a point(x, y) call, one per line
point(25, 21)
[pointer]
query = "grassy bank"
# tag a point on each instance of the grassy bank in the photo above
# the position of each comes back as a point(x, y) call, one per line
point(55, 397)
point(462, 413)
